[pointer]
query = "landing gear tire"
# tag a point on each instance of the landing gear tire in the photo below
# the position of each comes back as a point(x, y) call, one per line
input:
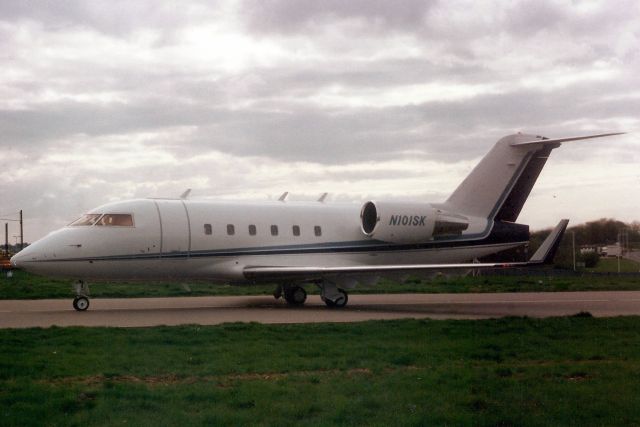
point(339, 302)
point(81, 303)
point(295, 295)
point(278, 292)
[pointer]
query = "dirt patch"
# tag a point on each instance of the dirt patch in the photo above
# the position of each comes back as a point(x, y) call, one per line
point(172, 379)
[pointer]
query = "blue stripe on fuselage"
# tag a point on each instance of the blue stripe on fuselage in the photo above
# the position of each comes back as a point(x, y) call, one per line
point(503, 233)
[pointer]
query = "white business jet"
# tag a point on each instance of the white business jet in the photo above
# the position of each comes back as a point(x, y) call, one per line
point(334, 246)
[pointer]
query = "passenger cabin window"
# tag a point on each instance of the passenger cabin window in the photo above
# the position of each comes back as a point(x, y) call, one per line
point(296, 230)
point(252, 230)
point(116, 220)
point(87, 219)
point(207, 229)
point(231, 229)
point(317, 230)
point(274, 230)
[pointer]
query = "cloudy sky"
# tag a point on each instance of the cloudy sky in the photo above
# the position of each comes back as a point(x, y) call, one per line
point(108, 100)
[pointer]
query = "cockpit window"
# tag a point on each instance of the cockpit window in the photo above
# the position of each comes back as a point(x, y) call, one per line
point(87, 219)
point(116, 220)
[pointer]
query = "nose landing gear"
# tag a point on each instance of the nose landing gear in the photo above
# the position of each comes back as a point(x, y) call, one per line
point(81, 301)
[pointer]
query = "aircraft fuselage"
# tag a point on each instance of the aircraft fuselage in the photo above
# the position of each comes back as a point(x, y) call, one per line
point(215, 241)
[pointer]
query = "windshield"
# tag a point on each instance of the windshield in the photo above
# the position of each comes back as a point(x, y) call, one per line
point(106, 220)
point(87, 219)
point(116, 220)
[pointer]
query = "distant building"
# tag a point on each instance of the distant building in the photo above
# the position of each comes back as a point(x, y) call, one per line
point(603, 250)
point(611, 250)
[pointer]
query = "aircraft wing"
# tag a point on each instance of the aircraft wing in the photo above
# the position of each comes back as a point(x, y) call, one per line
point(544, 255)
point(311, 272)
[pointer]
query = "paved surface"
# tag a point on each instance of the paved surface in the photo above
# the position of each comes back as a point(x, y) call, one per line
point(215, 310)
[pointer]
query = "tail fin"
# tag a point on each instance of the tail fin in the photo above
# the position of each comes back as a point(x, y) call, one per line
point(499, 185)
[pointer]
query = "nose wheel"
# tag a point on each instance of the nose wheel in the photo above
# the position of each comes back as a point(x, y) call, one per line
point(81, 303)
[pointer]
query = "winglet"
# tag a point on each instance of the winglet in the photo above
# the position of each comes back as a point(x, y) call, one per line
point(323, 197)
point(546, 251)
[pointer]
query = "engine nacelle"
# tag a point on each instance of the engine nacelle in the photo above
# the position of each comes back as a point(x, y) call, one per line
point(399, 222)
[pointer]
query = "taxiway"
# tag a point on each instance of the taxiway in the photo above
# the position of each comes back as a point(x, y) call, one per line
point(137, 312)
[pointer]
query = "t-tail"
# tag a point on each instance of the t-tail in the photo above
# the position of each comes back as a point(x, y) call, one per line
point(499, 185)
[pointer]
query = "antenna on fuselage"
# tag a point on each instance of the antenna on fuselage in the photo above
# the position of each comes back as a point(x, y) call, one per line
point(284, 196)
point(185, 195)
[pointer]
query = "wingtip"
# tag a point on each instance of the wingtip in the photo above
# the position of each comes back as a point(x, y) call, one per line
point(547, 251)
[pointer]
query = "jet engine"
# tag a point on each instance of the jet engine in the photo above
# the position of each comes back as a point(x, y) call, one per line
point(399, 222)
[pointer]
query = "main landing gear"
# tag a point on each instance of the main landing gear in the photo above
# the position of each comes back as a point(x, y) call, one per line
point(339, 302)
point(296, 295)
point(81, 301)
point(332, 296)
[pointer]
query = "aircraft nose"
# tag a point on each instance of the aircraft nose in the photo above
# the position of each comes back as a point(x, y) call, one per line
point(15, 260)
point(19, 259)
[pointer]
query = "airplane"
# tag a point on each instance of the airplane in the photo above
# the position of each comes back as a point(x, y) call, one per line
point(332, 245)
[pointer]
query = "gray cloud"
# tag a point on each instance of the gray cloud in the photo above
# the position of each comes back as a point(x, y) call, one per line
point(294, 16)
point(301, 132)
point(117, 17)
point(133, 92)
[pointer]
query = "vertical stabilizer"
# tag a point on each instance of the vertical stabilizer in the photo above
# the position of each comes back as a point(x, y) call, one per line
point(500, 184)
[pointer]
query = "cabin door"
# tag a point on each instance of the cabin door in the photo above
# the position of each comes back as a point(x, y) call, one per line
point(174, 228)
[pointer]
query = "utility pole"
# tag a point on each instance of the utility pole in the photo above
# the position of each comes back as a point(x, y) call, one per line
point(619, 250)
point(573, 240)
point(625, 241)
point(6, 239)
point(21, 233)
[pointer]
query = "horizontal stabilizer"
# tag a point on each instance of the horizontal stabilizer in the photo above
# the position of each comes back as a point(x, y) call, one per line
point(546, 251)
point(545, 141)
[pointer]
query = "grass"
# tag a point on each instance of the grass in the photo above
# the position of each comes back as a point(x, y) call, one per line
point(24, 285)
point(518, 371)
point(611, 265)
point(28, 286)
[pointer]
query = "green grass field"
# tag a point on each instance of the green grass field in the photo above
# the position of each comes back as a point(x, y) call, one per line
point(611, 265)
point(27, 286)
point(518, 371)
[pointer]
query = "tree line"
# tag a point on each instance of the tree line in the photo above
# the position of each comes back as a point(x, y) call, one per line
point(599, 233)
